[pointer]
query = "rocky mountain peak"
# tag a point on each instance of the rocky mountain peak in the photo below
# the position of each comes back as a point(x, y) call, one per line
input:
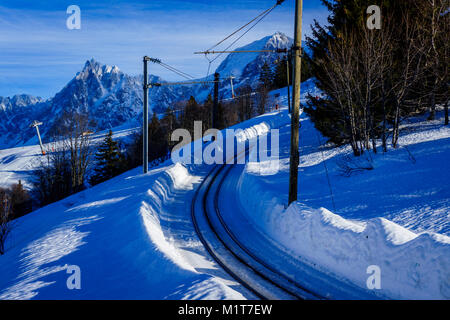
point(93, 67)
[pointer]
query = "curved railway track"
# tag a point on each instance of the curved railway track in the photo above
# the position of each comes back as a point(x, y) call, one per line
point(252, 272)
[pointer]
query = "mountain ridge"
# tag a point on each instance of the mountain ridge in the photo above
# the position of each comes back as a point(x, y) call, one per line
point(113, 98)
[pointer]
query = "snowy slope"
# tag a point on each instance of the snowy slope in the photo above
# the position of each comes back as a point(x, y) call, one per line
point(246, 67)
point(395, 216)
point(236, 63)
point(132, 236)
point(18, 163)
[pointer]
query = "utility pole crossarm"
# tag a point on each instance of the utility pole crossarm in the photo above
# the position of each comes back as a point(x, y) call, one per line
point(162, 84)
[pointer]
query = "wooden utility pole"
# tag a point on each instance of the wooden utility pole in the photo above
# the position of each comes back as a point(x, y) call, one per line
point(145, 116)
point(215, 111)
point(295, 115)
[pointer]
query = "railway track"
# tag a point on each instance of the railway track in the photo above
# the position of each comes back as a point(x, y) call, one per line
point(252, 272)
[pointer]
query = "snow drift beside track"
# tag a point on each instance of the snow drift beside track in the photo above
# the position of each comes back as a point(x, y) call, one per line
point(413, 266)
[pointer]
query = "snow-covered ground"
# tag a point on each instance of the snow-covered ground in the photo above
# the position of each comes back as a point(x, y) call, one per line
point(18, 163)
point(132, 237)
point(396, 216)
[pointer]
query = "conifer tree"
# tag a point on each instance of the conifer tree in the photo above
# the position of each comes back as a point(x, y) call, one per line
point(109, 160)
point(20, 200)
point(158, 144)
point(266, 76)
point(280, 74)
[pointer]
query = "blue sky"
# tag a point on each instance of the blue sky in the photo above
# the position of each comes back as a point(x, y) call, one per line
point(39, 55)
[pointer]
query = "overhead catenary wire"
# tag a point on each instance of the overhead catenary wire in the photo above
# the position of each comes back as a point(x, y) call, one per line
point(242, 35)
point(181, 73)
point(241, 28)
point(255, 21)
point(170, 68)
point(183, 83)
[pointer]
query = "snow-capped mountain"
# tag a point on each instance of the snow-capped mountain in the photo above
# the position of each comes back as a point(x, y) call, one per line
point(16, 114)
point(246, 67)
point(113, 98)
point(109, 96)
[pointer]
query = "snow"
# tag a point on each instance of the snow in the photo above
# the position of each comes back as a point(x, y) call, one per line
point(412, 266)
point(181, 178)
point(235, 63)
point(395, 216)
point(133, 238)
point(18, 163)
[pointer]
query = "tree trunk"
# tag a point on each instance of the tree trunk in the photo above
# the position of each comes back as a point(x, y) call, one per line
point(432, 107)
point(384, 138)
point(395, 132)
point(446, 113)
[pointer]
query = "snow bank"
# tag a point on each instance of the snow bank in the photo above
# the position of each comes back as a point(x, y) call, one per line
point(181, 177)
point(131, 238)
point(413, 266)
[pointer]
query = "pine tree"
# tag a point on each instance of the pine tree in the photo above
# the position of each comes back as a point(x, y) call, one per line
point(207, 113)
point(266, 76)
point(191, 114)
point(169, 123)
point(20, 200)
point(280, 74)
point(109, 159)
point(158, 145)
point(280, 78)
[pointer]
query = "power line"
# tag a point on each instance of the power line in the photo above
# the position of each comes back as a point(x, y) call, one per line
point(181, 73)
point(243, 51)
point(241, 28)
point(242, 35)
point(163, 84)
point(170, 68)
point(258, 19)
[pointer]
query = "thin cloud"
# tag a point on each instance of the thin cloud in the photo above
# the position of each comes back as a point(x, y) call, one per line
point(37, 39)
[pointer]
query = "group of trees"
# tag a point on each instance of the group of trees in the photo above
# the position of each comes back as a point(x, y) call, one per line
point(15, 202)
point(182, 114)
point(63, 171)
point(374, 79)
point(280, 73)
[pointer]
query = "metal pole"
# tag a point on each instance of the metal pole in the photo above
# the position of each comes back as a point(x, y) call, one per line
point(232, 88)
point(295, 117)
point(216, 100)
point(145, 116)
point(40, 141)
